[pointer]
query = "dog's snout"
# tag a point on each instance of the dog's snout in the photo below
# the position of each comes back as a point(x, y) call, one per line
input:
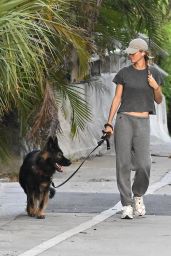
point(66, 162)
point(69, 162)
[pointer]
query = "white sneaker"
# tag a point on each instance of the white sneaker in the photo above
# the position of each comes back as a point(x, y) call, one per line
point(127, 212)
point(139, 207)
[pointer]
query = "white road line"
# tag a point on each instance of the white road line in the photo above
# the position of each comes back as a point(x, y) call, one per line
point(89, 224)
point(86, 225)
point(163, 182)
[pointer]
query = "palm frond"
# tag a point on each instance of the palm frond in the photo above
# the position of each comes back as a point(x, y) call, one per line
point(34, 37)
point(79, 110)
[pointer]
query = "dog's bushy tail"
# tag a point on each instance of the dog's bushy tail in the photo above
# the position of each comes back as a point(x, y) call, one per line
point(52, 192)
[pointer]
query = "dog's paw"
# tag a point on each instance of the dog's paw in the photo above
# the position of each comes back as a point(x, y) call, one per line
point(41, 217)
point(32, 215)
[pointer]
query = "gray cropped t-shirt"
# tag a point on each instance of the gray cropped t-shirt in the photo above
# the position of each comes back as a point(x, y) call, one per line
point(137, 94)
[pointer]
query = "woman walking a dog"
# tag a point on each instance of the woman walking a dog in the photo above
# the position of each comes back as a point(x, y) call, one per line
point(138, 86)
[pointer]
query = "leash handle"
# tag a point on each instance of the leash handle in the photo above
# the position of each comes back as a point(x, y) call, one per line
point(106, 137)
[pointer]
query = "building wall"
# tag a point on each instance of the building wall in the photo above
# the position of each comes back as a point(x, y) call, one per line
point(99, 96)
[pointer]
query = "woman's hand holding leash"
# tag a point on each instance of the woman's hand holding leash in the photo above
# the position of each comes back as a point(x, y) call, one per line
point(107, 132)
point(108, 129)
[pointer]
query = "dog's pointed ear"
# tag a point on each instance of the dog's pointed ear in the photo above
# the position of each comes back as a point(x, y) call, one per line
point(50, 143)
point(50, 139)
point(56, 141)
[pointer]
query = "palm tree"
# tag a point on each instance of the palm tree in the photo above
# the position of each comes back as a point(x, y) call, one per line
point(35, 44)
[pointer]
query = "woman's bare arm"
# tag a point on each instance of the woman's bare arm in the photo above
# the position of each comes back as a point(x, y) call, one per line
point(114, 106)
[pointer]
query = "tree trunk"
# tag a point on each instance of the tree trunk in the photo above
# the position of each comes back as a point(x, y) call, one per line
point(99, 2)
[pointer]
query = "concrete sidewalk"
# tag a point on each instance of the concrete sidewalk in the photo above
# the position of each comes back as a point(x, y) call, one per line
point(83, 219)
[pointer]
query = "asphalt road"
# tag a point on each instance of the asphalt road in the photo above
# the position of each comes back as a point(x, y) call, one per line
point(84, 217)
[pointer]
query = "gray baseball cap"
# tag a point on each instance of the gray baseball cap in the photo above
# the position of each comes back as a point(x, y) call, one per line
point(136, 45)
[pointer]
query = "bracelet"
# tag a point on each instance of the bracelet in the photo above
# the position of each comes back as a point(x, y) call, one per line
point(107, 124)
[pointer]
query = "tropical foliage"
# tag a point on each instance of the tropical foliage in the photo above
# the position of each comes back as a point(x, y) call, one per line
point(165, 63)
point(38, 41)
point(35, 43)
point(123, 20)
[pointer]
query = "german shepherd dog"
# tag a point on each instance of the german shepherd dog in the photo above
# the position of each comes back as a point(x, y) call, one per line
point(36, 173)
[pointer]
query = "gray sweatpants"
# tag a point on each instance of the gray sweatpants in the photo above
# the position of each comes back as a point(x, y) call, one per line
point(132, 146)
